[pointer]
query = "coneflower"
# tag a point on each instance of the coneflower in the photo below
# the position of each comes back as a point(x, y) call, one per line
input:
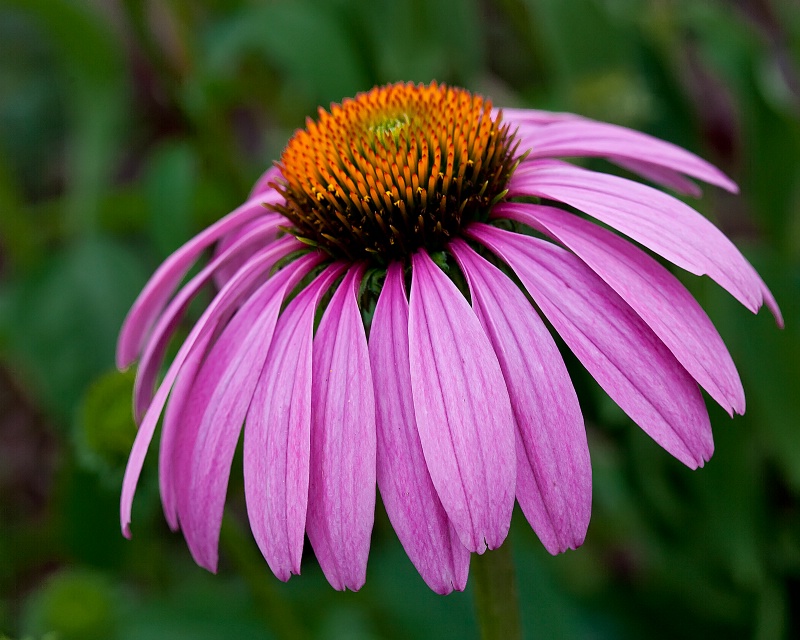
point(378, 321)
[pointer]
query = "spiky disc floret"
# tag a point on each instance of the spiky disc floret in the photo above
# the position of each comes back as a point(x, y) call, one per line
point(394, 169)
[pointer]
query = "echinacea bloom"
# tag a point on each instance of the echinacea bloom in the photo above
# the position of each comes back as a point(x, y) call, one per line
point(378, 321)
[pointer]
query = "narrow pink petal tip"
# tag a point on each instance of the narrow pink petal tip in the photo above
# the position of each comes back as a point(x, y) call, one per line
point(772, 305)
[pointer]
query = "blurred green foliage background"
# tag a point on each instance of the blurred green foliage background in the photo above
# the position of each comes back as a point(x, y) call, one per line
point(128, 125)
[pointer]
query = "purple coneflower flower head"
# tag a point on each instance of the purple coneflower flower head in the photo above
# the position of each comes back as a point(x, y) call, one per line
point(379, 321)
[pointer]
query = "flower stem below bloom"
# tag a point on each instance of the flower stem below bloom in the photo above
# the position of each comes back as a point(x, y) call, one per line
point(496, 599)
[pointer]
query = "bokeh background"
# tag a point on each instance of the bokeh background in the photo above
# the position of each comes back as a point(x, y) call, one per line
point(128, 125)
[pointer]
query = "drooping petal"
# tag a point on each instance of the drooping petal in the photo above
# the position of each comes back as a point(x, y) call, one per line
point(620, 351)
point(226, 383)
point(179, 414)
point(589, 138)
point(554, 474)
point(657, 220)
point(277, 434)
point(220, 306)
point(182, 416)
point(411, 501)
point(652, 291)
point(158, 341)
point(462, 409)
point(161, 285)
point(341, 496)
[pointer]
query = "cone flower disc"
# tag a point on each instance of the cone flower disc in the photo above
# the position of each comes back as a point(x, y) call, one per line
point(379, 321)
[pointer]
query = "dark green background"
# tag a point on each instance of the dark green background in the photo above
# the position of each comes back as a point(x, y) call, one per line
point(127, 126)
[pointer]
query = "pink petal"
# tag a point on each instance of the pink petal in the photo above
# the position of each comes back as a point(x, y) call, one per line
point(178, 415)
point(341, 497)
point(411, 501)
point(220, 306)
point(158, 341)
point(261, 186)
point(588, 138)
point(463, 412)
point(182, 416)
point(620, 351)
point(652, 291)
point(226, 384)
point(554, 473)
point(277, 434)
point(154, 296)
point(658, 221)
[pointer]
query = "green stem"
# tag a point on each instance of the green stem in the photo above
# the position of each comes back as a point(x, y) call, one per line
point(274, 609)
point(496, 599)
